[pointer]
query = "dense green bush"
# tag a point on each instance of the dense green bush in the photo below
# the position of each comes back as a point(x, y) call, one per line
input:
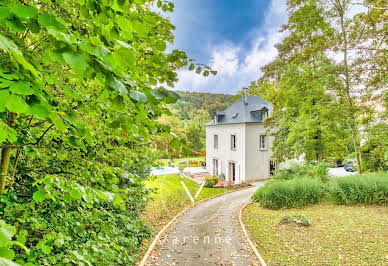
point(211, 181)
point(360, 189)
point(294, 193)
point(308, 170)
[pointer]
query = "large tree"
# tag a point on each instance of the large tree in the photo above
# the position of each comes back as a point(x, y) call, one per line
point(330, 37)
point(78, 105)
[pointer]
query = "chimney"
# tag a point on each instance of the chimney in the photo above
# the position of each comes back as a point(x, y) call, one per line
point(246, 96)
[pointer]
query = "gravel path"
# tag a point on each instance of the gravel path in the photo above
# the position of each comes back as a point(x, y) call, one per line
point(209, 234)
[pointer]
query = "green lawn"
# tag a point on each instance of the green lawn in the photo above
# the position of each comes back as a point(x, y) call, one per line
point(338, 235)
point(164, 162)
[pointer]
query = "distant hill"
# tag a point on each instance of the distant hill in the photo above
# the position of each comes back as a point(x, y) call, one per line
point(210, 102)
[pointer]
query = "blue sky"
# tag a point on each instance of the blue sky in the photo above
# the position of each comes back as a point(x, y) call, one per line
point(234, 37)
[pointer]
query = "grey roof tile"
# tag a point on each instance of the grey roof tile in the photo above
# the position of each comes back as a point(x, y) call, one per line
point(239, 112)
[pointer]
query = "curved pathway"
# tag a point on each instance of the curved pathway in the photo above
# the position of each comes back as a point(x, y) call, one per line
point(209, 234)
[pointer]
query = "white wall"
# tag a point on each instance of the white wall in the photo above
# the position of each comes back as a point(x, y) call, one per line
point(257, 161)
point(224, 151)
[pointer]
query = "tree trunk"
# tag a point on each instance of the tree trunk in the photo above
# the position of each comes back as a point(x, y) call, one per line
point(5, 156)
point(341, 10)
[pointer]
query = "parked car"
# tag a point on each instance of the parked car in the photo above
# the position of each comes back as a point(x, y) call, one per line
point(350, 165)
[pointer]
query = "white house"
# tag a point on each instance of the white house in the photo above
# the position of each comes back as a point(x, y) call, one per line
point(236, 141)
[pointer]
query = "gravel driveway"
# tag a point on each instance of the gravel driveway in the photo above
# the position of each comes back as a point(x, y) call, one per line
point(209, 234)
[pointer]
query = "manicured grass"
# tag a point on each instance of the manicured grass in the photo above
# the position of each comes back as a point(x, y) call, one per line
point(338, 235)
point(164, 162)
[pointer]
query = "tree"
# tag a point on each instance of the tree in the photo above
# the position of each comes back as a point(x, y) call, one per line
point(322, 33)
point(196, 131)
point(78, 105)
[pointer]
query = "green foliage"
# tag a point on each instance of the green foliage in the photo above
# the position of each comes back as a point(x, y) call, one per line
point(308, 170)
point(294, 193)
point(211, 181)
point(321, 83)
point(191, 101)
point(360, 189)
point(78, 104)
point(374, 152)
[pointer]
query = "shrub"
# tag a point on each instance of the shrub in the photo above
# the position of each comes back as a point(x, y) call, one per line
point(294, 193)
point(211, 181)
point(308, 170)
point(360, 189)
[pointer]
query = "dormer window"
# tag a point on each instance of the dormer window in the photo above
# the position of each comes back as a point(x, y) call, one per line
point(263, 113)
point(219, 117)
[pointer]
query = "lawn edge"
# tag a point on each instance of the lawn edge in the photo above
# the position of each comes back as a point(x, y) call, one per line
point(173, 220)
point(260, 258)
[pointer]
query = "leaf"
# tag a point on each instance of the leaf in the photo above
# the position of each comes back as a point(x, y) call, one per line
point(7, 262)
point(47, 20)
point(39, 111)
point(12, 48)
point(75, 60)
point(4, 12)
point(191, 67)
point(22, 87)
point(46, 249)
point(57, 121)
point(33, 25)
point(23, 11)
point(138, 96)
point(140, 28)
point(15, 24)
point(16, 104)
point(117, 103)
point(5, 83)
point(161, 45)
point(59, 35)
point(7, 253)
point(75, 193)
point(118, 86)
point(39, 196)
point(6, 233)
point(73, 141)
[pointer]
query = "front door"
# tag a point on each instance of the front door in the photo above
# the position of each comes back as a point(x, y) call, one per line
point(232, 171)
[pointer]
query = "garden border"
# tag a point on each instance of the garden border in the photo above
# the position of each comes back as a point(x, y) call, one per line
point(260, 258)
point(176, 217)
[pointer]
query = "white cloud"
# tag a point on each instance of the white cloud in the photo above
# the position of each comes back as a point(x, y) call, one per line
point(238, 67)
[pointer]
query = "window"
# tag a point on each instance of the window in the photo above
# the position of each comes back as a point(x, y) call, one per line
point(263, 142)
point(233, 142)
point(264, 114)
point(215, 142)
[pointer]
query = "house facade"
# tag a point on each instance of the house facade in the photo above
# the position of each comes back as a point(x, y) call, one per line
point(237, 145)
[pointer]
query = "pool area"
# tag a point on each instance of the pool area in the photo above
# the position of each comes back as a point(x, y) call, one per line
point(164, 171)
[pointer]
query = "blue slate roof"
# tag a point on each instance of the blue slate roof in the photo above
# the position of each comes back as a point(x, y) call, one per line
point(239, 112)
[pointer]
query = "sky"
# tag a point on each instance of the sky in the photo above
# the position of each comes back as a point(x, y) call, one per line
point(234, 37)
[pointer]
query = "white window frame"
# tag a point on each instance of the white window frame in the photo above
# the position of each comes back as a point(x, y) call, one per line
point(264, 115)
point(215, 141)
point(265, 146)
point(233, 141)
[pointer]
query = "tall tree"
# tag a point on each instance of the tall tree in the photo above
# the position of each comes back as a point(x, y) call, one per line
point(325, 32)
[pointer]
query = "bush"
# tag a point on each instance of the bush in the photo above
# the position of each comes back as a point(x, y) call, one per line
point(308, 170)
point(211, 181)
point(360, 189)
point(294, 193)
